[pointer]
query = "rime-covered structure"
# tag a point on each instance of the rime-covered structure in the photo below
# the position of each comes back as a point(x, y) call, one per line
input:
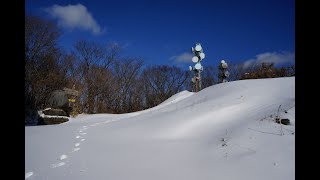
point(223, 73)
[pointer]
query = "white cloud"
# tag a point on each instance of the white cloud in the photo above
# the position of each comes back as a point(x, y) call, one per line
point(272, 57)
point(75, 16)
point(182, 58)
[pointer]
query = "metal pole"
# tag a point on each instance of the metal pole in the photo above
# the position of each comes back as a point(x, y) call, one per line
point(199, 80)
point(196, 85)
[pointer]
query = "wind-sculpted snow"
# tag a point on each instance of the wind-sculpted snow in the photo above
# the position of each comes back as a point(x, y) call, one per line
point(226, 131)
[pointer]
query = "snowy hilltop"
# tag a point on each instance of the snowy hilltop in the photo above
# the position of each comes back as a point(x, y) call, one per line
point(224, 132)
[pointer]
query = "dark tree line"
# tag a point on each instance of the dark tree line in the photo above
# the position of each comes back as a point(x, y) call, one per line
point(106, 81)
point(161, 82)
point(45, 68)
point(267, 70)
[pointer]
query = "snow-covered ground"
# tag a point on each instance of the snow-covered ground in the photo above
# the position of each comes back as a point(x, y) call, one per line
point(225, 131)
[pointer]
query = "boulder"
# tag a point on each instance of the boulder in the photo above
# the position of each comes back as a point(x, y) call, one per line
point(52, 120)
point(52, 116)
point(54, 112)
point(59, 100)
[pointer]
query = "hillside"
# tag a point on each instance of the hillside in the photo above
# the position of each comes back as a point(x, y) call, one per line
point(226, 131)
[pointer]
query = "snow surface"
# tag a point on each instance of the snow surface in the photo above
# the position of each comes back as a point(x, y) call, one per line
point(226, 131)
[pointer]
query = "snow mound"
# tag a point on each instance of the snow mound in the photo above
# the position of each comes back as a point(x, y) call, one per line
point(226, 131)
point(177, 97)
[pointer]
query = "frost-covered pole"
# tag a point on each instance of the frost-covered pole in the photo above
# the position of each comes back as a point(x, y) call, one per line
point(198, 56)
point(223, 73)
point(199, 75)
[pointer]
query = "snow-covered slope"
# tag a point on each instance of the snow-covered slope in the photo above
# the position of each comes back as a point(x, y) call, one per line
point(225, 131)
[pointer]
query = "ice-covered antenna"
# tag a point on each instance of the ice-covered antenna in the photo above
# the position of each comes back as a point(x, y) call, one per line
point(197, 58)
point(223, 73)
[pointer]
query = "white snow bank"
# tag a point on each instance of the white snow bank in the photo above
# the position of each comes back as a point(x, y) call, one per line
point(226, 131)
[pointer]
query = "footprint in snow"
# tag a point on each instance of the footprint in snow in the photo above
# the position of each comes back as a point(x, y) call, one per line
point(95, 124)
point(62, 157)
point(77, 144)
point(78, 137)
point(109, 121)
point(58, 164)
point(83, 133)
point(28, 174)
point(82, 139)
point(75, 149)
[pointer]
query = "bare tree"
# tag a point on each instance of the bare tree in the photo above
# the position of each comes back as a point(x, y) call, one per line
point(236, 71)
point(40, 37)
point(93, 56)
point(209, 76)
point(262, 70)
point(161, 82)
point(42, 70)
point(127, 73)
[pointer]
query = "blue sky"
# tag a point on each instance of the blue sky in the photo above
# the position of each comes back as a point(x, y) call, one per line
point(163, 32)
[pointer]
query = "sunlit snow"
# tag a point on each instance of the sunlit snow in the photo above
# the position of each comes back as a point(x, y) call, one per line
point(224, 132)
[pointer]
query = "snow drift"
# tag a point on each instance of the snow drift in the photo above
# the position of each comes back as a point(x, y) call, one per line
point(226, 131)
